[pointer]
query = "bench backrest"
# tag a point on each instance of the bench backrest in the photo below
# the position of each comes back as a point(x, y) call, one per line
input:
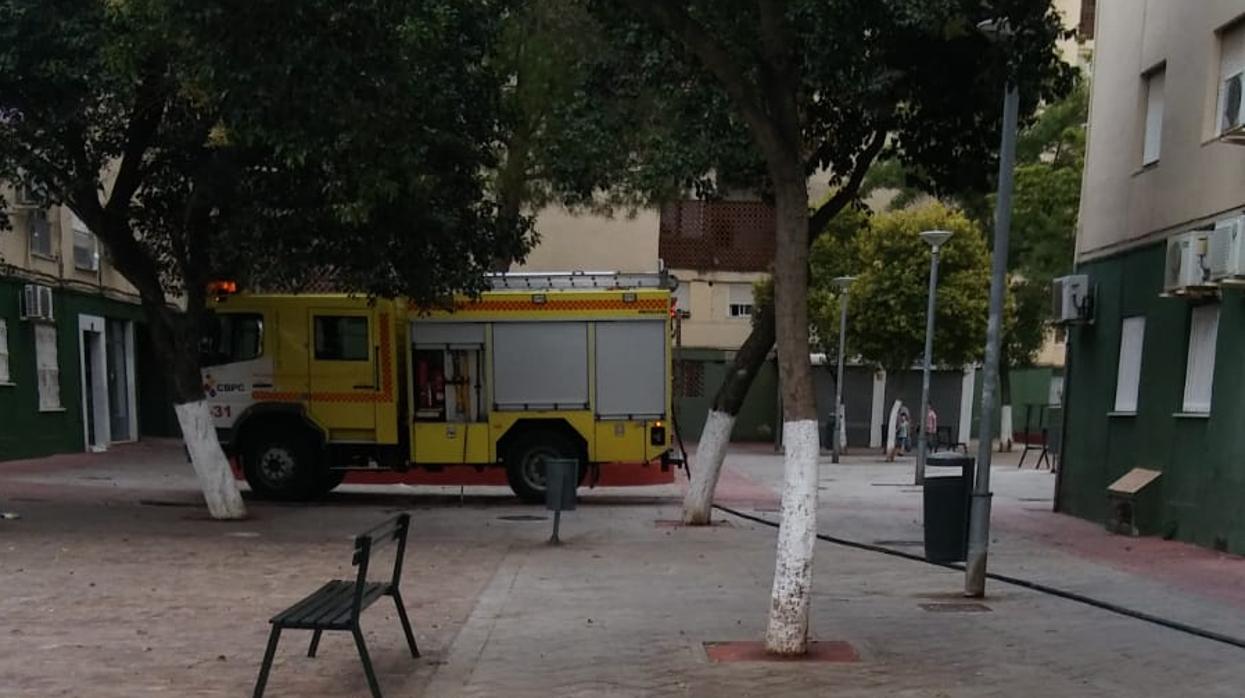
point(391, 531)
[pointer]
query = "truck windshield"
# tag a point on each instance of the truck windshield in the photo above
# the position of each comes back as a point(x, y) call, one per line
point(231, 337)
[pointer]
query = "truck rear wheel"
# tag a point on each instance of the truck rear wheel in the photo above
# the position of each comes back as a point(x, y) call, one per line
point(525, 468)
point(283, 466)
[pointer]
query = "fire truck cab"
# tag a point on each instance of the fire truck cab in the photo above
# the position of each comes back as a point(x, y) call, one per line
point(307, 389)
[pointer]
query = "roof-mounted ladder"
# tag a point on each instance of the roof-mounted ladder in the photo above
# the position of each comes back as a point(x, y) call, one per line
point(581, 279)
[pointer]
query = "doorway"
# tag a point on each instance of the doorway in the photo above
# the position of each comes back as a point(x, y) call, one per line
point(92, 353)
point(122, 421)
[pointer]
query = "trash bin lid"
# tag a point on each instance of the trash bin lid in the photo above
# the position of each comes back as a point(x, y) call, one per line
point(948, 459)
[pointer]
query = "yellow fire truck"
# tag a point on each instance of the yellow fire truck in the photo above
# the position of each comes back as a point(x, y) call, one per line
point(308, 390)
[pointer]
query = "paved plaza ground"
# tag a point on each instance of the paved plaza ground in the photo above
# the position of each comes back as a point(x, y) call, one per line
point(114, 583)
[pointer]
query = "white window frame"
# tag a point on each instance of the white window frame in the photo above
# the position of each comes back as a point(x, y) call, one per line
point(1154, 82)
point(47, 365)
point(1200, 365)
point(85, 245)
point(6, 376)
point(1128, 373)
point(740, 301)
point(683, 297)
point(1231, 64)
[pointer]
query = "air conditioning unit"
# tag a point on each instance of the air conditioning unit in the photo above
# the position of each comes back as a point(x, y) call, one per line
point(1073, 299)
point(1187, 271)
point(1232, 113)
point(37, 303)
point(1226, 254)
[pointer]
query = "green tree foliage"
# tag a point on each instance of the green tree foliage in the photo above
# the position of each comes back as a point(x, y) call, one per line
point(886, 303)
point(1050, 156)
point(915, 72)
point(268, 142)
point(1045, 205)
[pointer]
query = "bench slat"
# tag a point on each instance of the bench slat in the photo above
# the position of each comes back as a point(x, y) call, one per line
point(372, 592)
point(306, 603)
point(330, 606)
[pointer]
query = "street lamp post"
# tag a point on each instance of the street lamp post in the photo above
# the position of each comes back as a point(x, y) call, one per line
point(842, 283)
point(936, 239)
point(979, 513)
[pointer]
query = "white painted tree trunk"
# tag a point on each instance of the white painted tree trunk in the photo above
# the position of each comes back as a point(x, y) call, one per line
point(891, 441)
point(967, 386)
point(710, 454)
point(841, 424)
point(875, 410)
point(788, 630)
point(219, 489)
point(1006, 435)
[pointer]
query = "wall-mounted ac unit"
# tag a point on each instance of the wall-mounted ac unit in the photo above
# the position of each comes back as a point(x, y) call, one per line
point(37, 303)
point(1073, 299)
point(1187, 271)
point(1227, 251)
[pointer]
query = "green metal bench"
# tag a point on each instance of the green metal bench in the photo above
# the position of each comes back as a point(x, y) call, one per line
point(338, 604)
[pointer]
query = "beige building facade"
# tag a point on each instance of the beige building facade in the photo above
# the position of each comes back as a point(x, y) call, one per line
point(717, 304)
point(569, 241)
point(1155, 160)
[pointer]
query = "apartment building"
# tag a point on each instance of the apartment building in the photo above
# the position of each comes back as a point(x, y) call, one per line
point(1155, 379)
point(72, 342)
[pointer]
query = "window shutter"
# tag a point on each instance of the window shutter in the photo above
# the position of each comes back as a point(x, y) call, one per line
point(4, 351)
point(1154, 116)
point(48, 367)
point(1128, 380)
point(1200, 369)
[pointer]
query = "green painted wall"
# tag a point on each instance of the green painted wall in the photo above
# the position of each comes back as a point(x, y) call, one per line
point(1030, 387)
point(1202, 459)
point(755, 421)
point(25, 432)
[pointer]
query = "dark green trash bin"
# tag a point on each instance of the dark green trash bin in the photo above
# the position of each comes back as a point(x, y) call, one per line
point(948, 484)
point(561, 480)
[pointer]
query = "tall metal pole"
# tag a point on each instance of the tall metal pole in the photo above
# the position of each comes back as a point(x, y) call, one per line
point(922, 444)
point(838, 381)
point(979, 516)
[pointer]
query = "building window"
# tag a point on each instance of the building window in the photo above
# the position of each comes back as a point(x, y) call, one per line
point(40, 232)
point(341, 338)
point(1200, 370)
point(1128, 379)
point(1231, 76)
point(1153, 140)
point(681, 297)
point(4, 351)
point(85, 246)
point(48, 367)
point(739, 300)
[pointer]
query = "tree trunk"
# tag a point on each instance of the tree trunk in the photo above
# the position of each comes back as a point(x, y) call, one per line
point(511, 193)
point(175, 337)
point(788, 629)
point(1006, 423)
point(716, 436)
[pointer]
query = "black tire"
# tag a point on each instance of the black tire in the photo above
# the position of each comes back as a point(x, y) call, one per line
point(284, 465)
point(329, 480)
point(524, 470)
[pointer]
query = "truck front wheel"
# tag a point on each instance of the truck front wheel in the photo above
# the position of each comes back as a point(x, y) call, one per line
point(282, 466)
point(525, 468)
